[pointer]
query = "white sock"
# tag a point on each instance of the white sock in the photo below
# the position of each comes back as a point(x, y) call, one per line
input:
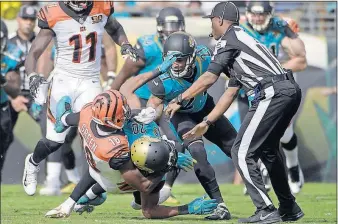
point(69, 202)
point(90, 194)
point(291, 157)
point(165, 193)
point(53, 173)
point(73, 175)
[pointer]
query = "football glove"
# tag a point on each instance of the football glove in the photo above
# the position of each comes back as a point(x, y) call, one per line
point(200, 206)
point(146, 116)
point(35, 81)
point(128, 50)
point(185, 162)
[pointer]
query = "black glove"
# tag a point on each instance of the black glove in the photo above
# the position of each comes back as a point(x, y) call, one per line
point(127, 49)
point(34, 82)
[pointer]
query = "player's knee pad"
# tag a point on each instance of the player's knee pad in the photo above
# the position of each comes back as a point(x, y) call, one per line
point(291, 144)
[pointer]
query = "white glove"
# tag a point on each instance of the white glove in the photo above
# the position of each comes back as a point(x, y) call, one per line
point(146, 116)
point(165, 138)
point(107, 84)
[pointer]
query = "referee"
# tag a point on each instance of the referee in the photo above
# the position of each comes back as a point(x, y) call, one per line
point(276, 98)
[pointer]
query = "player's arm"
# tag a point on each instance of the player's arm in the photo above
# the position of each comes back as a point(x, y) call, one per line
point(110, 57)
point(295, 49)
point(217, 65)
point(135, 178)
point(116, 31)
point(45, 63)
point(39, 45)
point(11, 83)
point(130, 68)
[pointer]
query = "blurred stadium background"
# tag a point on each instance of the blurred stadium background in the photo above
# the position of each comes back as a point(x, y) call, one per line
point(316, 122)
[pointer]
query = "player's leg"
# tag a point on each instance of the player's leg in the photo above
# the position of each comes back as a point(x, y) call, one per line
point(6, 132)
point(169, 129)
point(203, 169)
point(66, 207)
point(290, 147)
point(68, 159)
point(59, 87)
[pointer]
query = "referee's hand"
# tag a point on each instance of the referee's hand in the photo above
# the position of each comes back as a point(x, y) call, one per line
point(197, 131)
point(171, 109)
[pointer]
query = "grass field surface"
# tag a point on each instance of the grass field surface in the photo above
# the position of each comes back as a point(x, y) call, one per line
point(318, 201)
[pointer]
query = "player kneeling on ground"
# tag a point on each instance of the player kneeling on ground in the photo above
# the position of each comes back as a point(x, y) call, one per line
point(106, 146)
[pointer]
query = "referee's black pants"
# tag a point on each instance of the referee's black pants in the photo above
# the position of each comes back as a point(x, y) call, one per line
point(259, 136)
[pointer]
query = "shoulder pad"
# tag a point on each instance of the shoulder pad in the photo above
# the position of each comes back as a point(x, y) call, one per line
point(278, 23)
point(203, 52)
point(50, 14)
point(146, 40)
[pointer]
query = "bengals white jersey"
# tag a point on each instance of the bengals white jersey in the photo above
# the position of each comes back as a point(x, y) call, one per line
point(78, 39)
point(100, 150)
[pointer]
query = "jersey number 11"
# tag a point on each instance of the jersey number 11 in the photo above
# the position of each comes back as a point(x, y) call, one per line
point(76, 40)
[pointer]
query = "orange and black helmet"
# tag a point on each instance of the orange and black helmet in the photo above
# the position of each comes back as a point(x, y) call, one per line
point(110, 108)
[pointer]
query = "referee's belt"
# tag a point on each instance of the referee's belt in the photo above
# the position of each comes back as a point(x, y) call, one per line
point(267, 82)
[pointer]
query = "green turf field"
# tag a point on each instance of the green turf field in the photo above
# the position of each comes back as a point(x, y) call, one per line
point(318, 202)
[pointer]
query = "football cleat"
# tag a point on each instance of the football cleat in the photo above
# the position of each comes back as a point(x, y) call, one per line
point(296, 179)
point(220, 213)
point(61, 211)
point(29, 178)
point(68, 189)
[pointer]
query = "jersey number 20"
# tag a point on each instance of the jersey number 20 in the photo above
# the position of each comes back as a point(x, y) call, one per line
point(76, 40)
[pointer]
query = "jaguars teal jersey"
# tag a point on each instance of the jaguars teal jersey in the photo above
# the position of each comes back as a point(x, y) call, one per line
point(168, 87)
point(135, 130)
point(10, 61)
point(152, 55)
point(272, 38)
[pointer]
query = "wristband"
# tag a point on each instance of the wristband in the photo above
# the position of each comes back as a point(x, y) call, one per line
point(183, 210)
point(32, 74)
point(179, 100)
point(111, 74)
point(205, 119)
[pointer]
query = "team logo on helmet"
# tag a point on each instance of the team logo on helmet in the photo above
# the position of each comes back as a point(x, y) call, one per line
point(191, 42)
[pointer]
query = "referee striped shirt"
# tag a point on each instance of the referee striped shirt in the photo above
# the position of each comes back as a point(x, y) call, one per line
point(243, 59)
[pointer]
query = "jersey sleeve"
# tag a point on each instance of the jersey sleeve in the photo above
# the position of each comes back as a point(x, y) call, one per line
point(158, 88)
point(119, 155)
point(223, 56)
point(42, 19)
point(140, 51)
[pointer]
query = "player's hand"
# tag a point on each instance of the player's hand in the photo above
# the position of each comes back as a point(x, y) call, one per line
point(128, 50)
point(63, 107)
point(292, 24)
point(35, 110)
point(146, 116)
point(172, 108)
point(168, 62)
point(19, 103)
point(35, 81)
point(107, 84)
point(185, 162)
point(198, 131)
point(200, 206)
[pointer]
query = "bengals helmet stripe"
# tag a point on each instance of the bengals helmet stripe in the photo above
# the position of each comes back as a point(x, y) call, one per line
point(109, 108)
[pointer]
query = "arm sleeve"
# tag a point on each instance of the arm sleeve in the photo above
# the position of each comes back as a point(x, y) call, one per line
point(72, 119)
point(221, 60)
point(233, 82)
point(140, 51)
point(156, 88)
point(289, 33)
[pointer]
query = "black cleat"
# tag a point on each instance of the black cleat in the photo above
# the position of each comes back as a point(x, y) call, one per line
point(220, 213)
point(263, 216)
point(291, 215)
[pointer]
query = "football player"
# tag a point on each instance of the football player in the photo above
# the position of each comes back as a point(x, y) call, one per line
point(192, 61)
point(281, 38)
point(77, 28)
point(9, 90)
point(103, 129)
point(150, 49)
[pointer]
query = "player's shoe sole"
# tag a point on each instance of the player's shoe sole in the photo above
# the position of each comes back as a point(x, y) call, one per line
point(172, 201)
